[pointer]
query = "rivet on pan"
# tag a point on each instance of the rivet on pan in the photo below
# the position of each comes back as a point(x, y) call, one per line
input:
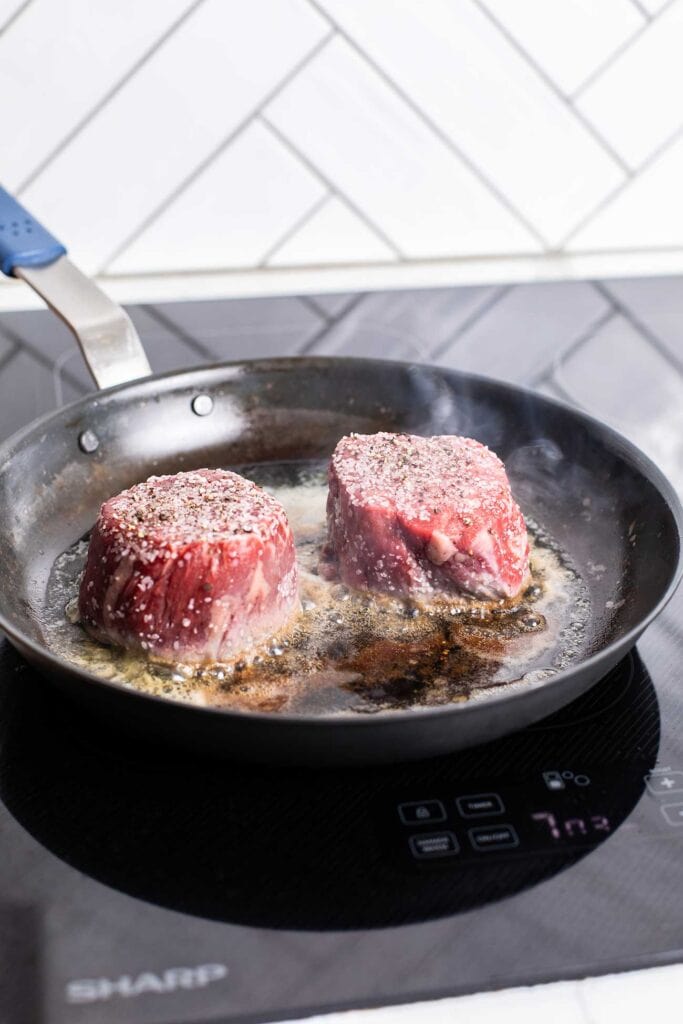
point(202, 405)
point(88, 441)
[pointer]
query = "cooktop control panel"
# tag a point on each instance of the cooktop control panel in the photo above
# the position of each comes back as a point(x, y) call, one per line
point(560, 811)
point(555, 811)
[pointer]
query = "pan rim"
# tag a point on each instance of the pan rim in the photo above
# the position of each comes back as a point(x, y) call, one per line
point(388, 718)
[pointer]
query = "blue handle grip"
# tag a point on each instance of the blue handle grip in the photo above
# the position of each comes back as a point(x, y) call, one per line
point(23, 241)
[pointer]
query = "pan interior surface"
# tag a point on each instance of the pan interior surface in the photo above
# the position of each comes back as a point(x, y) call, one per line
point(350, 651)
point(582, 485)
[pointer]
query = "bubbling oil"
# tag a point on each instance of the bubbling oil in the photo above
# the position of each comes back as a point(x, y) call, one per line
point(350, 651)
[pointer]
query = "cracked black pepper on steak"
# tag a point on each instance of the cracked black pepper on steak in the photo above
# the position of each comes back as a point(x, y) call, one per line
point(424, 517)
point(194, 567)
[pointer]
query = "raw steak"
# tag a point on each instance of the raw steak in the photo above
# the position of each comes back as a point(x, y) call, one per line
point(423, 516)
point(194, 567)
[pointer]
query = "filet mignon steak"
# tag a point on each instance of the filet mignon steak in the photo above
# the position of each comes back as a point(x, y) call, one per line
point(423, 516)
point(194, 567)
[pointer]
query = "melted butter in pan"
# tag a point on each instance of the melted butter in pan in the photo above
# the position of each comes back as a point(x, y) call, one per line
point(351, 651)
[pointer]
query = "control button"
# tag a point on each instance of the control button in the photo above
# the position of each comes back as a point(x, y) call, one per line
point(479, 805)
point(553, 780)
point(422, 812)
point(493, 837)
point(434, 844)
point(664, 783)
point(673, 814)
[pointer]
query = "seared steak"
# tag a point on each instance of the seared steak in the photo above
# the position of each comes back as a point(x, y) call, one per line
point(423, 516)
point(194, 567)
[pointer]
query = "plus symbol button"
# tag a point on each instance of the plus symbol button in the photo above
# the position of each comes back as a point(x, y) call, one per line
point(665, 782)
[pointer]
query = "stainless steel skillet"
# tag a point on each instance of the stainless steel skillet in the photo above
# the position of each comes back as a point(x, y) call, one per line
point(55, 474)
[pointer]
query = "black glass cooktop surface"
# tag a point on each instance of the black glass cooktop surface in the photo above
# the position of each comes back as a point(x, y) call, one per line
point(143, 885)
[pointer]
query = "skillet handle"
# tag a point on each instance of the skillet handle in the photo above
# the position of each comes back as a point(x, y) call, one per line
point(23, 241)
point(109, 342)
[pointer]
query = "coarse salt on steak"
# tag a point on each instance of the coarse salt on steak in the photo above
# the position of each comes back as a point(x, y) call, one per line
point(195, 567)
point(423, 516)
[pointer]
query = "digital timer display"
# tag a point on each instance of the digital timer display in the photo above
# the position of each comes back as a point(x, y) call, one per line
point(557, 828)
point(558, 812)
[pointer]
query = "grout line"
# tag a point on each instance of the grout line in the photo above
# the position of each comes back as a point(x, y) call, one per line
point(13, 17)
point(178, 332)
point(659, 151)
point(640, 326)
point(94, 111)
point(620, 50)
point(214, 154)
point(435, 129)
point(555, 368)
point(643, 10)
point(544, 380)
point(550, 369)
point(472, 319)
point(58, 374)
point(350, 302)
point(563, 393)
point(9, 355)
point(39, 356)
point(299, 223)
point(558, 92)
point(332, 322)
point(312, 305)
point(281, 137)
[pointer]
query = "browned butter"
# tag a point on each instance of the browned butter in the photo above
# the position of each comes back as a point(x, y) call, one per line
point(351, 651)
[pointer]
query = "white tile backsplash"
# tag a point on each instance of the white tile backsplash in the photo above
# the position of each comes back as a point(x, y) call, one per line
point(489, 101)
point(333, 234)
point(408, 182)
point(431, 140)
point(168, 119)
point(636, 103)
point(568, 40)
point(645, 214)
point(234, 212)
point(49, 93)
point(8, 8)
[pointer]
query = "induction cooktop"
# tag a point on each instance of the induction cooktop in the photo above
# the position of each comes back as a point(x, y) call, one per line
point(140, 884)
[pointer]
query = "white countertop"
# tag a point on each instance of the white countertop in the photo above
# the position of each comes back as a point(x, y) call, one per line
point(437, 273)
point(629, 998)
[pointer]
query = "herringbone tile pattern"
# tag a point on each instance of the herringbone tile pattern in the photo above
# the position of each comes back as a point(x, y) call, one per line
point(217, 135)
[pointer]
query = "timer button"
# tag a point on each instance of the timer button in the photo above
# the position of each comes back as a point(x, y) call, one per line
point(493, 837)
point(480, 805)
point(431, 845)
point(422, 812)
